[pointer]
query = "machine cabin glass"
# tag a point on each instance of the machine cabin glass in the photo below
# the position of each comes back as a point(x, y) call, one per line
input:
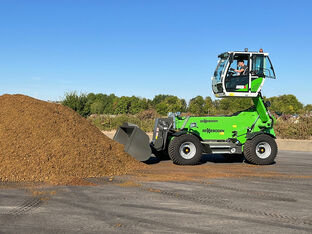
point(237, 76)
point(219, 72)
point(262, 66)
point(241, 74)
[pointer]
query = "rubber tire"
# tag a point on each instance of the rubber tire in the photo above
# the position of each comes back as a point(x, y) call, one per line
point(174, 147)
point(250, 150)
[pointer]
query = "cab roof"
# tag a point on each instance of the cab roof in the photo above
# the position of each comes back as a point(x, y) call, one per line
point(226, 54)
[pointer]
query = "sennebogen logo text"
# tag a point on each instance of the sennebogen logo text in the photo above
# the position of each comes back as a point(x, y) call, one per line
point(208, 130)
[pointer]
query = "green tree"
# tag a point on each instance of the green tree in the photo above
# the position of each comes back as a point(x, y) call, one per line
point(91, 97)
point(162, 108)
point(184, 105)
point(170, 104)
point(110, 104)
point(174, 104)
point(137, 105)
point(97, 107)
point(158, 99)
point(232, 105)
point(286, 104)
point(77, 103)
point(196, 105)
point(209, 107)
point(123, 105)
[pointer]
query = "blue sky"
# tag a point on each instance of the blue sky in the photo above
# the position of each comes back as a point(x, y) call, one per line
point(144, 48)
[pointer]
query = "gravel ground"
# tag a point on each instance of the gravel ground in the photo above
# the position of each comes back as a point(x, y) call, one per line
point(278, 201)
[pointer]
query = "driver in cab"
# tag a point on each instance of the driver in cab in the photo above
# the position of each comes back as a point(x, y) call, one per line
point(242, 68)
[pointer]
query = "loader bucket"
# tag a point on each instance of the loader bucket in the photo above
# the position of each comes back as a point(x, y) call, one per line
point(135, 140)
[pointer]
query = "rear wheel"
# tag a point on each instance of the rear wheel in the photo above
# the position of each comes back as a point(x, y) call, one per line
point(185, 150)
point(260, 150)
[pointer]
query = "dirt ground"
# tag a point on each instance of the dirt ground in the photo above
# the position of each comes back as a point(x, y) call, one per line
point(219, 196)
point(283, 144)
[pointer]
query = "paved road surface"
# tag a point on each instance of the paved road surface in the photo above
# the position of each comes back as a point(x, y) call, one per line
point(250, 204)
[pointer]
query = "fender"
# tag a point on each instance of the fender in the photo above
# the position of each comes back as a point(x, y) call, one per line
point(251, 135)
point(179, 133)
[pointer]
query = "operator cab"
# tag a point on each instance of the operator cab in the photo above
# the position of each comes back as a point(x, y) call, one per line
point(241, 74)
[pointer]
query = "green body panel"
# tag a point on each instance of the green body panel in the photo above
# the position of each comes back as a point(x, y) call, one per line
point(255, 84)
point(262, 111)
point(237, 126)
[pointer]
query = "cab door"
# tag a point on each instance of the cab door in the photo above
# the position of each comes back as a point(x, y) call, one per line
point(238, 81)
point(261, 68)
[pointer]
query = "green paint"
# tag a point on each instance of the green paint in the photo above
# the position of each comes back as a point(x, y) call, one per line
point(261, 109)
point(225, 127)
point(255, 84)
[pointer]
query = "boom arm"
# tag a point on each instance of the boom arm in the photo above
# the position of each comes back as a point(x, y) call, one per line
point(262, 111)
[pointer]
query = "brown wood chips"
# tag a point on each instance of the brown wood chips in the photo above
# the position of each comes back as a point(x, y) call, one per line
point(41, 141)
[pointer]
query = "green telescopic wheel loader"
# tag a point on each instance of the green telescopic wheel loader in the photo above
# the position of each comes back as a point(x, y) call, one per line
point(185, 138)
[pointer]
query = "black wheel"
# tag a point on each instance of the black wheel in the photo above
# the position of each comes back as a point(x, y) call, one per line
point(185, 150)
point(260, 150)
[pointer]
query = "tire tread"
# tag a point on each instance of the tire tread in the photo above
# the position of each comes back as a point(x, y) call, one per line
point(174, 154)
point(250, 153)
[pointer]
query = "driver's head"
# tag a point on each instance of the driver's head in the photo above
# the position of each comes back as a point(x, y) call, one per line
point(241, 63)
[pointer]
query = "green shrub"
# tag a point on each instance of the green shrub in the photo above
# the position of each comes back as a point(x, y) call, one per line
point(290, 128)
point(148, 114)
point(109, 122)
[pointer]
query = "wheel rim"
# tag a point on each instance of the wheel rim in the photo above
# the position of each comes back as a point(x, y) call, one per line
point(263, 150)
point(187, 150)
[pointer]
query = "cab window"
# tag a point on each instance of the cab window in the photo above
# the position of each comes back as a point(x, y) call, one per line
point(237, 78)
point(262, 67)
point(236, 65)
point(219, 70)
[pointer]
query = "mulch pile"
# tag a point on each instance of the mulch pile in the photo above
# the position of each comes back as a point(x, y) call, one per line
point(41, 141)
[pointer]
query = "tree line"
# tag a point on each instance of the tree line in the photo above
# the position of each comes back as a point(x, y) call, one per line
point(88, 104)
